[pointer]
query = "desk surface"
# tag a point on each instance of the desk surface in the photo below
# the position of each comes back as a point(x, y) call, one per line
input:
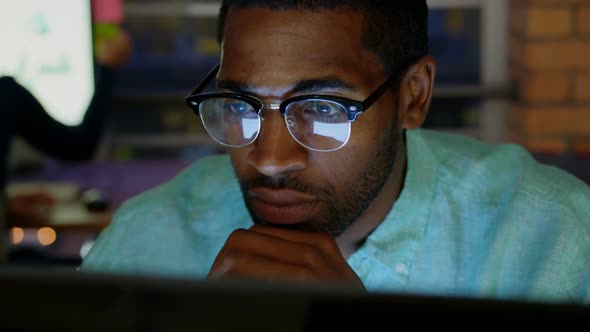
point(76, 216)
point(68, 211)
point(117, 180)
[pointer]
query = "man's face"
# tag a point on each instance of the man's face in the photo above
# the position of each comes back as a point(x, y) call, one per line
point(269, 53)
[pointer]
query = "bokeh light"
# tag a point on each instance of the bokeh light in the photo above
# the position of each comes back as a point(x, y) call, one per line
point(46, 236)
point(17, 235)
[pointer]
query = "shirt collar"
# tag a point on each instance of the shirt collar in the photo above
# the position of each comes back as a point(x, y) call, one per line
point(395, 241)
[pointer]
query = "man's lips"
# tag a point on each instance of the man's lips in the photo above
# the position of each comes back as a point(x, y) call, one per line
point(283, 206)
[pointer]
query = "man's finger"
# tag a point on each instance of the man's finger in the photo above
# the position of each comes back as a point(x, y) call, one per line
point(323, 241)
point(246, 265)
point(272, 247)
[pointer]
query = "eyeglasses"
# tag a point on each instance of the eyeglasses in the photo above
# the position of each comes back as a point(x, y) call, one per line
point(317, 122)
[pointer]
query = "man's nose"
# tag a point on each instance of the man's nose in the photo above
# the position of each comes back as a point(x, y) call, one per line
point(275, 152)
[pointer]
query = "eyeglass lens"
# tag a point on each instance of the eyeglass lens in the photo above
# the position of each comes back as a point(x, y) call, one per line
point(317, 124)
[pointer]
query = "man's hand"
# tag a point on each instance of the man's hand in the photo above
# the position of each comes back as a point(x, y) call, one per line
point(270, 253)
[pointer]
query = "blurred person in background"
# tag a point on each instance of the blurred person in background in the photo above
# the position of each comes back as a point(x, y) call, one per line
point(21, 114)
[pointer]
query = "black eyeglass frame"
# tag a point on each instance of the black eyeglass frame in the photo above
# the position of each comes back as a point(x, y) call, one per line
point(353, 107)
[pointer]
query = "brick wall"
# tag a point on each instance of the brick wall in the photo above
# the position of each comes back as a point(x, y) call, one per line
point(550, 58)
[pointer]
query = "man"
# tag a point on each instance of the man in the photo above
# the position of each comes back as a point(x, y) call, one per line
point(320, 104)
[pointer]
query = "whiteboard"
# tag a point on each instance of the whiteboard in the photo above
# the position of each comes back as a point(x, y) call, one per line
point(46, 45)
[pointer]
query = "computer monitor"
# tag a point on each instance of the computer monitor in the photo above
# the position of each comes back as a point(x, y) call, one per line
point(67, 300)
point(47, 47)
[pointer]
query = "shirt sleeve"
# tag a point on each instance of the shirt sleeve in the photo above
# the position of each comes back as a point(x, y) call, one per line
point(69, 143)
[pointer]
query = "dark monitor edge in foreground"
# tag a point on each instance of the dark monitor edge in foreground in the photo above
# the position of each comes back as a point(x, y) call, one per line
point(35, 299)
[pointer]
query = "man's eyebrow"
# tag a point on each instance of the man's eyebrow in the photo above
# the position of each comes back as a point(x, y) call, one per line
point(235, 86)
point(305, 86)
point(317, 85)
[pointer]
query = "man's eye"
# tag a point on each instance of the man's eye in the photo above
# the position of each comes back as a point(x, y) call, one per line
point(237, 107)
point(322, 108)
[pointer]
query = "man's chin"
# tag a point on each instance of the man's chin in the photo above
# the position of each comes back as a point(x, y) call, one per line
point(308, 225)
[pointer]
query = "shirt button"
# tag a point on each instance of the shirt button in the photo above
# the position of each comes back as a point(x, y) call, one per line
point(401, 268)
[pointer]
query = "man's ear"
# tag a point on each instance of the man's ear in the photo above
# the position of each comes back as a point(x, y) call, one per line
point(416, 92)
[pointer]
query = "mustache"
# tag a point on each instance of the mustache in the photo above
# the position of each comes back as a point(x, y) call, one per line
point(286, 182)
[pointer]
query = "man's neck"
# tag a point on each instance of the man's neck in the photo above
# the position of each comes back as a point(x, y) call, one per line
point(354, 237)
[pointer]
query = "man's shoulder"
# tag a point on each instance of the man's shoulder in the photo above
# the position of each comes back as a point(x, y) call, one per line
point(464, 160)
point(203, 182)
point(456, 147)
point(500, 172)
point(189, 215)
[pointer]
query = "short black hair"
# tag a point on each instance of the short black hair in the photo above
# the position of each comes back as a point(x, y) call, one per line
point(395, 30)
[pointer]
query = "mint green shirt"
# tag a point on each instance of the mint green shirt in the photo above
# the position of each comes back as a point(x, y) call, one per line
point(472, 220)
